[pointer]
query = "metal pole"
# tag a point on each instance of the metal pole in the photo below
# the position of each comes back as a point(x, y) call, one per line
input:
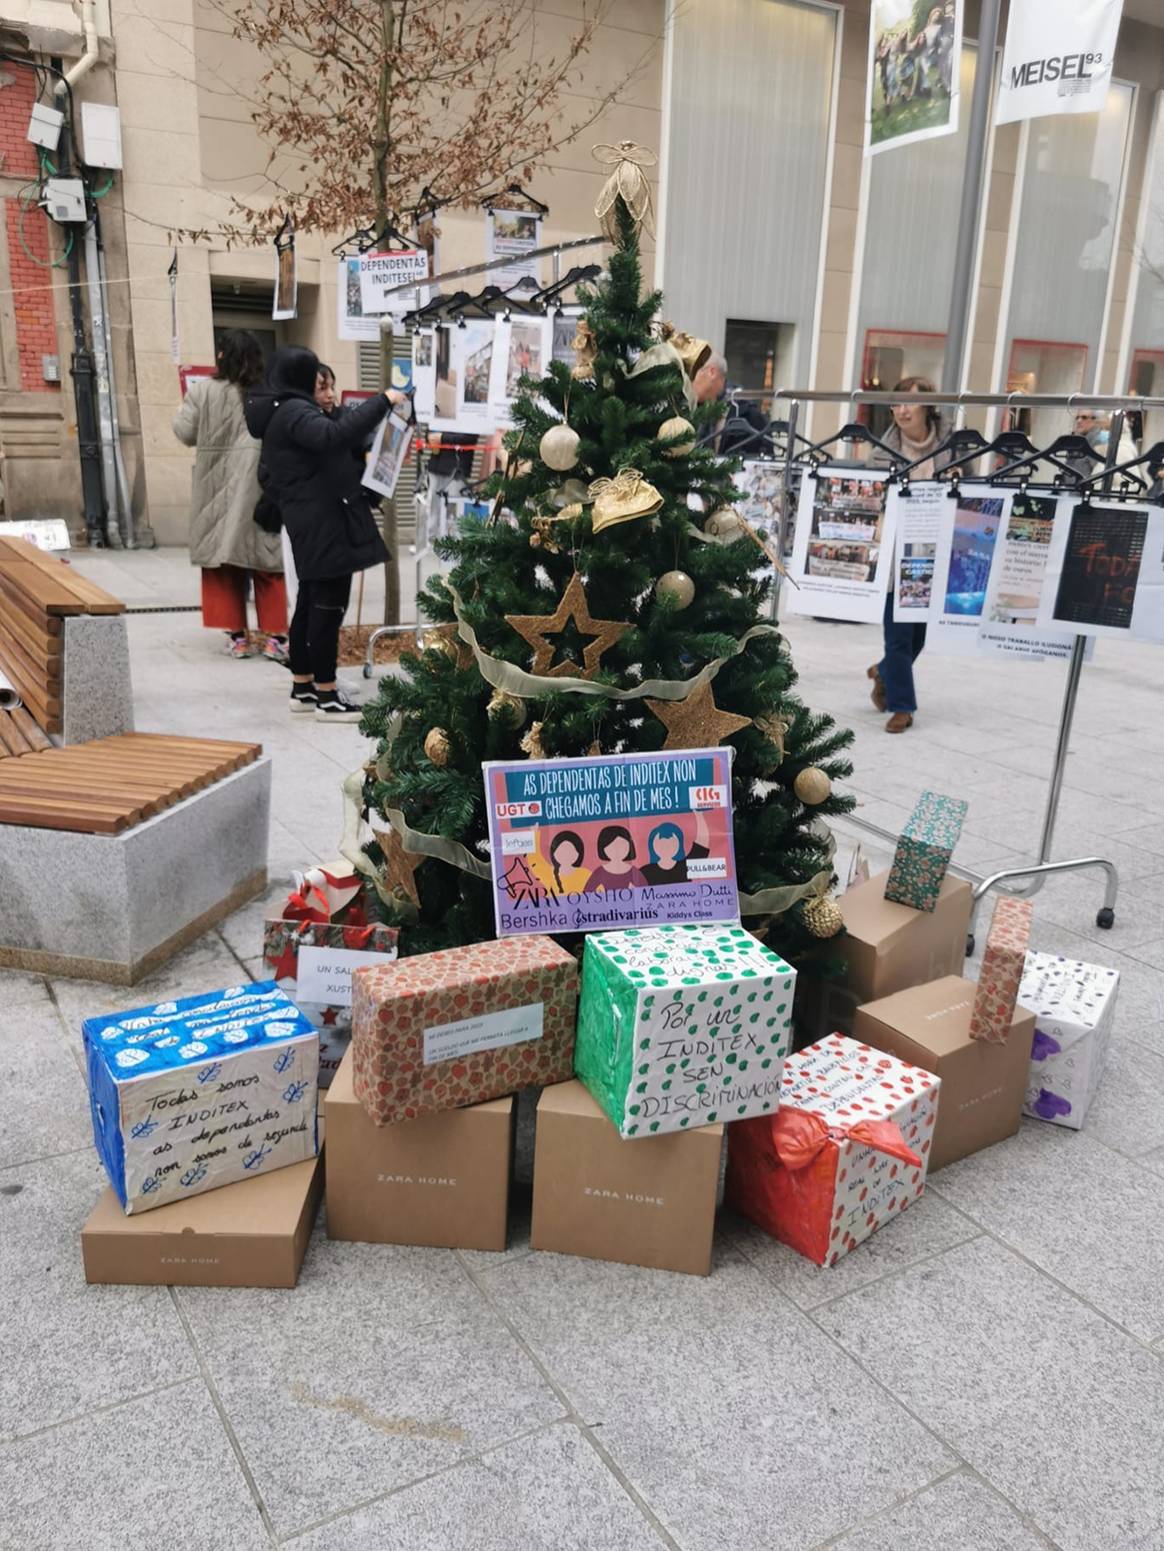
point(785, 503)
point(969, 217)
point(101, 376)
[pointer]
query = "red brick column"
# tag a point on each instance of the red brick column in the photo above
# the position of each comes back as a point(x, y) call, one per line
point(32, 282)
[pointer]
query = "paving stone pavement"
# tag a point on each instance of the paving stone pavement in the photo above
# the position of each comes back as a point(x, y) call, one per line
point(983, 1375)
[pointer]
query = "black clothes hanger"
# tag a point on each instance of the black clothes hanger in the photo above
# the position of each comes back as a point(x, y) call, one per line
point(502, 197)
point(854, 431)
point(1066, 446)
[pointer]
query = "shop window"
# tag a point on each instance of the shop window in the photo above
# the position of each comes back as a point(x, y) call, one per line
point(1146, 379)
point(760, 356)
point(1043, 366)
point(888, 356)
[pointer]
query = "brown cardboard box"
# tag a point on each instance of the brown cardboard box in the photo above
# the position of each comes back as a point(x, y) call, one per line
point(442, 1180)
point(887, 947)
point(983, 1085)
point(646, 1202)
point(253, 1233)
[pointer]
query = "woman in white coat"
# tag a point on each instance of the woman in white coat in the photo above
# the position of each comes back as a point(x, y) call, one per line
point(225, 540)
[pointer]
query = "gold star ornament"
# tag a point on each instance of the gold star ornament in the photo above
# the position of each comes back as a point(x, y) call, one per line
point(534, 628)
point(399, 864)
point(697, 722)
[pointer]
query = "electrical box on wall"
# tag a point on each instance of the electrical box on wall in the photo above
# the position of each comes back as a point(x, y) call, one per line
point(101, 135)
point(64, 199)
point(45, 125)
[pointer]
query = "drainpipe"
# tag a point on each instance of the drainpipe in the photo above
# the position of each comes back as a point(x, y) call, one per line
point(89, 58)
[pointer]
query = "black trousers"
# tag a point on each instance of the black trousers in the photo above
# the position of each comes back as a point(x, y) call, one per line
point(315, 627)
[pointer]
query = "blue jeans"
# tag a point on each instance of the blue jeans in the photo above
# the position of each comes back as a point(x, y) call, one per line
point(903, 644)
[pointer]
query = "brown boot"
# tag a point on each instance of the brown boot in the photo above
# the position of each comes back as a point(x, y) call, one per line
point(899, 722)
point(878, 693)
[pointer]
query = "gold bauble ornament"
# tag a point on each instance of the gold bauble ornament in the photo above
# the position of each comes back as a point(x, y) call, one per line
point(823, 917)
point(676, 586)
point(436, 746)
point(725, 523)
point(677, 426)
point(812, 786)
point(509, 707)
point(434, 641)
point(559, 447)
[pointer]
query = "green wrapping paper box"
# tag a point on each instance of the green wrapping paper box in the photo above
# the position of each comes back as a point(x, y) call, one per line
point(682, 1026)
point(924, 850)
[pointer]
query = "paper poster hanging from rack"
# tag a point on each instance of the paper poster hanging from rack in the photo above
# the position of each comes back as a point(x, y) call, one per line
point(843, 550)
point(463, 385)
point(760, 484)
point(386, 459)
point(424, 373)
point(916, 519)
point(962, 564)
point(565, 325)
point(523, 346)
point(914, 78)
point(1057, 58)
point(381, 273)
point(286, 300)
point(1105, 570)
point(512, 234)
point(351, 321)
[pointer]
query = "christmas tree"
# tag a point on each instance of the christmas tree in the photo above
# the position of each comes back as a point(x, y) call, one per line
point(594, 571)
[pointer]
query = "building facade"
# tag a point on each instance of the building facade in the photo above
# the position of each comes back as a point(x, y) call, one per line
point(807, 262)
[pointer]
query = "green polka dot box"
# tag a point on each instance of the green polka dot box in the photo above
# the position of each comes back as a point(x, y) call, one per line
point(682, 1026)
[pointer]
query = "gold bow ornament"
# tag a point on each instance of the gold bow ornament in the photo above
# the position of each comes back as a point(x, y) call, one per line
point(691, 351)
point(621, 499)
point(628, 181)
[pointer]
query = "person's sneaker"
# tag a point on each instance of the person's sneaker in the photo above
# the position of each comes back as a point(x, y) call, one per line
point(237, 646)
point(334, 706)
point(304, 697)
point(275, 648)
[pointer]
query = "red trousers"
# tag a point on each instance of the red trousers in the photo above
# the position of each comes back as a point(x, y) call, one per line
point(224, 599)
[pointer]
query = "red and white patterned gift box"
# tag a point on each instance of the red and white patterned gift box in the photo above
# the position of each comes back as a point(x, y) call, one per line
point(845, 1153)
point(443, 1030)
point(1003, 961)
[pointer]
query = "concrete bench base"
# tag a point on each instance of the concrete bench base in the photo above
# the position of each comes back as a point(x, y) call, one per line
point(115, 907)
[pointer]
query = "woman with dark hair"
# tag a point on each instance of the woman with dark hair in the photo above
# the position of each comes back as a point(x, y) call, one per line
point(563, 872)
point(309, 473)
point(917, 432)
point(616, 850)
point(225, 540)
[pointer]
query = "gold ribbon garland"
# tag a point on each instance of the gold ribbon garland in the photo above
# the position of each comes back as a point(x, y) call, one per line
point(664, 354)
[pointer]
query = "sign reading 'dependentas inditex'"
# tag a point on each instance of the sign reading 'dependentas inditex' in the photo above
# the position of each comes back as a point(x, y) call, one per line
point(192, 1094)
point(616, 840)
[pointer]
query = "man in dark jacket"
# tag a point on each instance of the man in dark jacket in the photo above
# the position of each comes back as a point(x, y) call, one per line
point(309, 472)
point(742, 430)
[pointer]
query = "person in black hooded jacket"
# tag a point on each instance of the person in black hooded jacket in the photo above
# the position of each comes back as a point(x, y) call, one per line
point(308, 471)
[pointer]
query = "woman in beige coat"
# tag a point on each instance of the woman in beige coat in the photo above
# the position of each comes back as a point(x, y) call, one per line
point(225, 539)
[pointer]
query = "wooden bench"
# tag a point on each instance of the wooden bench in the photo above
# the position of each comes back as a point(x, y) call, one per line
point(106, 786)
point(38, 593)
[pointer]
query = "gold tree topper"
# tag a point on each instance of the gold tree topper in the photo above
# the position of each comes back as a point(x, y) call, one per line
point(629, 181)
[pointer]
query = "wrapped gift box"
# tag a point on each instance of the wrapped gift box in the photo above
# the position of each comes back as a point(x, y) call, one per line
point(886, 947)
point(1003, 959)
point(846, 1152)
point(1074, 1008)
point(193, 1094)
point(648, 1205)
point(924, 850)
point(682, 1026)
point(983, 1084)
point(442, 1180)
point(250, 1234)
point(313, 962)
point(443, 1030)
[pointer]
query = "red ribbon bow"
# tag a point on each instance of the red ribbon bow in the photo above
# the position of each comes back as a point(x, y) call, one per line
point(300, 906)
point(800, 1135)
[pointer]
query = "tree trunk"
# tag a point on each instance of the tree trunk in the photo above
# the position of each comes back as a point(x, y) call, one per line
point(382, 148)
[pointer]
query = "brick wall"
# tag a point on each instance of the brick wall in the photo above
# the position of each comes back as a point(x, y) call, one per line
point(32, 281)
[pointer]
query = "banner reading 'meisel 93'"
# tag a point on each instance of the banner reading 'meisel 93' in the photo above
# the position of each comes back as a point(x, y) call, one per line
point(580, 845)
point(1057, 59)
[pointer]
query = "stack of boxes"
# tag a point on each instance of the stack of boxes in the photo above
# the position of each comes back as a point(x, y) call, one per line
point(670, 1064)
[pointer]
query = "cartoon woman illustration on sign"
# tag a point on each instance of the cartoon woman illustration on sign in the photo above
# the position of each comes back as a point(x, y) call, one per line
point(670, 853)
point(616, 869)
point(562, 872)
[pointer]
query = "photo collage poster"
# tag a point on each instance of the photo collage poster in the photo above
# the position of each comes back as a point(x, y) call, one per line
point(843, 549)
point(467, 374)
point(913, 87)
point(386, 459)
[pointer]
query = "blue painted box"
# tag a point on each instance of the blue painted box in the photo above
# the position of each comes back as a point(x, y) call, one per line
point(196, 1093)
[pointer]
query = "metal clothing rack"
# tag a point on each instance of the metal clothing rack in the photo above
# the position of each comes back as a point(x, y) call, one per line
point(1117, 406)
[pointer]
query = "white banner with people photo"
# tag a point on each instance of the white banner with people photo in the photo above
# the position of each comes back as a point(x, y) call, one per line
point(915, 48)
